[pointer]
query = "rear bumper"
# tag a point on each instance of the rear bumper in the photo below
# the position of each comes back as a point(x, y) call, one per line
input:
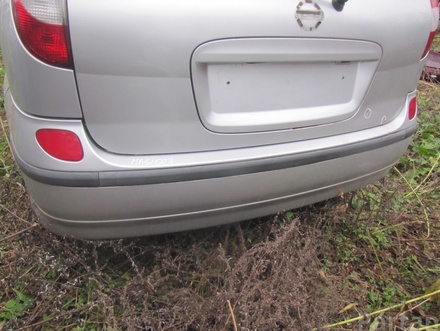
point(128, 211)
point(115, 196)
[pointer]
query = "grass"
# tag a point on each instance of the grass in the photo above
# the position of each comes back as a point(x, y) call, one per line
point(333, 261)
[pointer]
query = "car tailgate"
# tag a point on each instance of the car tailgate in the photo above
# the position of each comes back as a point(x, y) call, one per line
point(173, 76)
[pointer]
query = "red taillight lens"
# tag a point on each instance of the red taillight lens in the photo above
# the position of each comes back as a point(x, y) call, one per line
point(412, 109)
point(434, 26)
point(42, 30)
point(61, 144)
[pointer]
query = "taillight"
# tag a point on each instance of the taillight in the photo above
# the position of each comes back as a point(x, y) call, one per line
point(42, 27)
point(412, 108)
point(60, 144)
point(434, 26)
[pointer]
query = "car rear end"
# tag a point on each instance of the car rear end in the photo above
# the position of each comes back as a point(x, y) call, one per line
point(151, 117)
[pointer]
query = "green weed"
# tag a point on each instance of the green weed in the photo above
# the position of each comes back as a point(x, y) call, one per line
point(15, 307)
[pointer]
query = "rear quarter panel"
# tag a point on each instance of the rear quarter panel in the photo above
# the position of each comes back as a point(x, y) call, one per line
point(36, 88)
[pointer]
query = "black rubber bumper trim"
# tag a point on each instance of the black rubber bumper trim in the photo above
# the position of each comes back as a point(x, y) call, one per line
point(182, 174)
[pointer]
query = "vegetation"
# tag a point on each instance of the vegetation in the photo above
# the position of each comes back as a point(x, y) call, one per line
point(367, 253)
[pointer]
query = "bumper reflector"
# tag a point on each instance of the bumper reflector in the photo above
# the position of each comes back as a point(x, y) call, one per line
point(60, 144)
point(412, 109)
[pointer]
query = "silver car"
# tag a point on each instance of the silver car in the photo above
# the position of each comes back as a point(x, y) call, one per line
point(132, 118)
